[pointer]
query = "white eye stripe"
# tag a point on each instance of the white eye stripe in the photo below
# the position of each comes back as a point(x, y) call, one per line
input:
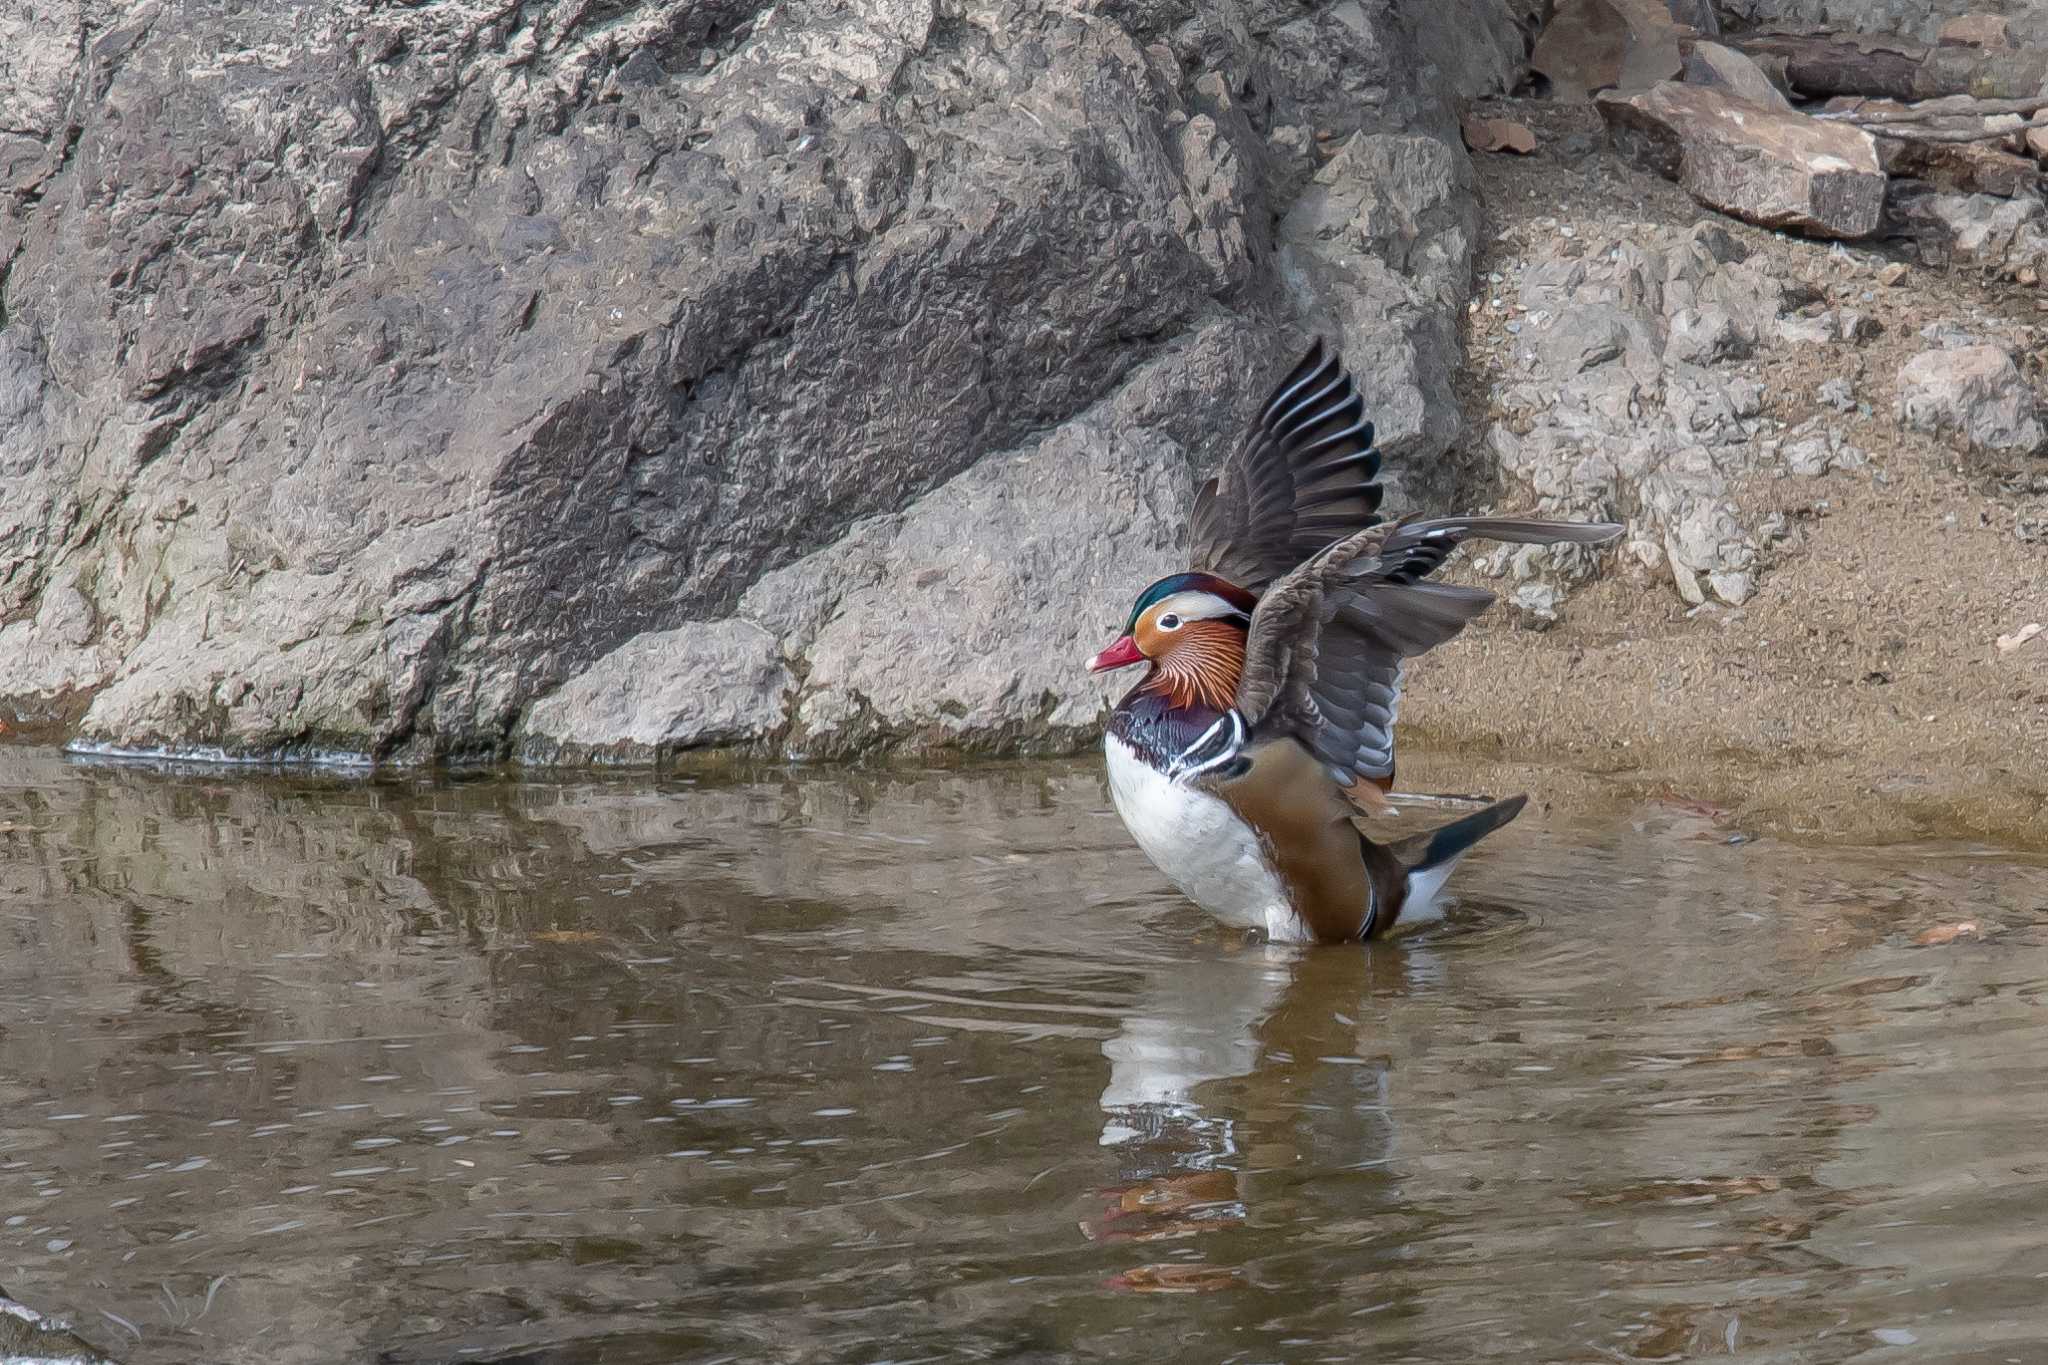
point(1182, 608)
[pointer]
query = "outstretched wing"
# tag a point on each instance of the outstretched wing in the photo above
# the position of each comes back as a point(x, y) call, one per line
point(1305, 475)
point(1323, 663)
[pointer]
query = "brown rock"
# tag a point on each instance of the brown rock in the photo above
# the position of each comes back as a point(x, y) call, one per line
point(1776, 169)
point(1594, 45)
point(1821, 64)
point(1497, 135)
point(1975, 30)
point(1723, 68)
point(1892, 275)
point(2037, 143)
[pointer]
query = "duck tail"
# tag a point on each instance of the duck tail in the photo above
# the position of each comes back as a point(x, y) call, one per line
point(1427, 858)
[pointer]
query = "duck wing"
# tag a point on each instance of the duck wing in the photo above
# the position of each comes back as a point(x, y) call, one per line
point(1305, 474)
point(1323, 664)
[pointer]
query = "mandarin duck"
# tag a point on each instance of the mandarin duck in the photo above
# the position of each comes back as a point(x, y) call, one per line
point(1263, 726)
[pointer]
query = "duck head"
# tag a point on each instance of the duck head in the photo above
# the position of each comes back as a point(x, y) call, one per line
point(1191, 627)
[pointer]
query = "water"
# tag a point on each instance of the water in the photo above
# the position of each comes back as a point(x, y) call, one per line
point(933, 1066)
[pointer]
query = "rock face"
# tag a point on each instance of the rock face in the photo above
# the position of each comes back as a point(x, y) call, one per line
point(1626, 389)
point(1975, 393)
point(1773, 168)
point(705, 683)
point(417, 382)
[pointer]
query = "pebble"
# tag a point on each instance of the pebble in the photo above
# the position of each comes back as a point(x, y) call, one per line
point(1892, 274)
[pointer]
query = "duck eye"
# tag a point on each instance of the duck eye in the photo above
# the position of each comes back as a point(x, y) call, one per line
point(1169, 622)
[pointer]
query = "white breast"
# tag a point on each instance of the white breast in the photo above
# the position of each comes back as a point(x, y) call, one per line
point(1202, 847)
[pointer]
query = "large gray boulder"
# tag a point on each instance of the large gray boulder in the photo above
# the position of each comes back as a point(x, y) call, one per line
point(423, 381)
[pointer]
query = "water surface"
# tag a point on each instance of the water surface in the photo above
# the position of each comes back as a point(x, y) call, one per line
point(935, 1067)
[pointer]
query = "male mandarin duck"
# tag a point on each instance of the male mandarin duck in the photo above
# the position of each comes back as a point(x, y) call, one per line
point(1264, 722)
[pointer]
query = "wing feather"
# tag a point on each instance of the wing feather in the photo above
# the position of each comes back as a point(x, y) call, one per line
point(1305, 474)
point(1329, 641)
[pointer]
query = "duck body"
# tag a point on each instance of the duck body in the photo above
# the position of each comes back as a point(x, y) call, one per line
point(1188, 828)
point(1261, 732)
point(1270, 850)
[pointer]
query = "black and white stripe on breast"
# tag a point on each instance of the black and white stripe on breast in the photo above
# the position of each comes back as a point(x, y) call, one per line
point(1185, 743)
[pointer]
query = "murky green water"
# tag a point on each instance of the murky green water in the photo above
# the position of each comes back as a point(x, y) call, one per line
point(935, 1067)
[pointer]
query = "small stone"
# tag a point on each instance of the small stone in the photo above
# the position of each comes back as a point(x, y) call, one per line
point(2008, 643)
point(1809, 459)
point(1213, 90)
point(1734, 588)
point(1686, 581)
point(2026, 274)
point(1837, 393)
point(1806, 331)
point(1892, 275)
point(1975, 392)
point(1990, 31)
point(1537, 603)
point(1948, 334)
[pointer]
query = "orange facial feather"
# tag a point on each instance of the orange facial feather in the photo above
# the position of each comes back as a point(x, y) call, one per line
point(1199, 663)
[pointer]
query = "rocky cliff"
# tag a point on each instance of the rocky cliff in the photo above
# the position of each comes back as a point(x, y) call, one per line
point(584, 379)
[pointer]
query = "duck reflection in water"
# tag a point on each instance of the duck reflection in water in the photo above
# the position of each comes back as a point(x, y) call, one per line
point(1212, 1073)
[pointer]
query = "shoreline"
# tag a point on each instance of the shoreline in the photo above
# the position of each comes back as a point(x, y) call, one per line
point(1827, 800)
